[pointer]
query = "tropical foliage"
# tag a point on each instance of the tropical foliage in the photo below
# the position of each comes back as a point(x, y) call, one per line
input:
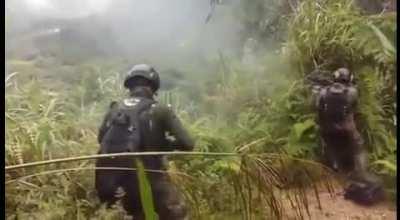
point(263, 113)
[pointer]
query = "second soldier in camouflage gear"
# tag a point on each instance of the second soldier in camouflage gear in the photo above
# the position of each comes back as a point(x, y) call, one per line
point(342, 142)
point(158, 124)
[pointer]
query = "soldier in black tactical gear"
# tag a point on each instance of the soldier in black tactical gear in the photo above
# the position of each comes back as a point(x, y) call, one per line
point(160, 130)
point(342, 143)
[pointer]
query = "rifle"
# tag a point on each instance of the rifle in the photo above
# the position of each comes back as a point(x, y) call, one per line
point(319, 78)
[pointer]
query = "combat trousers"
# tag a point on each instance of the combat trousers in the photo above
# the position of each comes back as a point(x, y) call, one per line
point(168, 202)
point(343, 148)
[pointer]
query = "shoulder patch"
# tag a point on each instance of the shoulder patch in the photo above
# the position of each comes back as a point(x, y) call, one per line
point(337, 88)
point(131, 101)
point(336, 74)
point(323, 92)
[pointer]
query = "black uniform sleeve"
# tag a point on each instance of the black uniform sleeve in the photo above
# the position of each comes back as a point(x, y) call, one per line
point(105, 124)
point(319, 99)
point(320, 102)
point(353, 96)
point(103, 128)
point(182, 141)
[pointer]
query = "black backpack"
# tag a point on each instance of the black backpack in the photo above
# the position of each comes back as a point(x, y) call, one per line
point(124, 132)
point(335, 103)
point(365, 193)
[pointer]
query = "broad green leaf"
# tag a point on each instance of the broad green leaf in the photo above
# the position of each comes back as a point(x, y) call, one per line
point(300, 128)
point(233, 166)
point(385, 42)
point(387, 164)
point(146, 195)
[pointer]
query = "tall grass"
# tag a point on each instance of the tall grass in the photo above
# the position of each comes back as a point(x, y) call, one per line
point(264, 114)
point(333, 34)
point(63, 126)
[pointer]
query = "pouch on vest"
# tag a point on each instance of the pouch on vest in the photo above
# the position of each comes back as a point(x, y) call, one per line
point(124, 133)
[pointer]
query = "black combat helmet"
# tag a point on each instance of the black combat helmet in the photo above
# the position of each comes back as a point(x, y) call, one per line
point(143, 71)
point(343, 75)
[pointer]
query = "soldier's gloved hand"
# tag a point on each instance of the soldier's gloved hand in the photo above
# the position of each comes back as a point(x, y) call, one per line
point(315, 89)
point(174, 144)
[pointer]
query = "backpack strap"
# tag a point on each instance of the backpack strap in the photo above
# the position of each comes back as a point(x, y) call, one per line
point(341, 90)
point(142, 105)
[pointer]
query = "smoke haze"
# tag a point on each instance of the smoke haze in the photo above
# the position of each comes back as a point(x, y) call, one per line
point(173, 30)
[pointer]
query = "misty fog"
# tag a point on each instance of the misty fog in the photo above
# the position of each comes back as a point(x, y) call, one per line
point(154, 31)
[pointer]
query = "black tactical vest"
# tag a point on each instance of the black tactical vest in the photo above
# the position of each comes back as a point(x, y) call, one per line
point(335, 103)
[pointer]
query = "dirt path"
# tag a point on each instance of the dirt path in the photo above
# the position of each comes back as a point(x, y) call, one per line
point(337, 208)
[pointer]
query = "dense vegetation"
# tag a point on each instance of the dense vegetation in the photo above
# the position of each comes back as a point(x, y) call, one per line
point(262, 111)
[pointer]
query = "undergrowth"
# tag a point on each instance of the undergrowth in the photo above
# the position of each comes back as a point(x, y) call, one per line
point(264, 111)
